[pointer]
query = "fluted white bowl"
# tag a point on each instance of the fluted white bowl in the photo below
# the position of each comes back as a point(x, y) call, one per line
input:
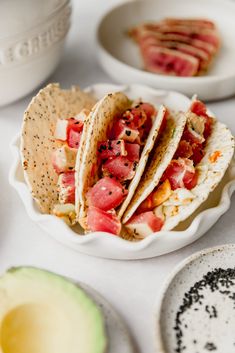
point(105, 245)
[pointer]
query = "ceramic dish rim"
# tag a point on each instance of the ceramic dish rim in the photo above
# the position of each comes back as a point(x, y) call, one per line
point(170, 277)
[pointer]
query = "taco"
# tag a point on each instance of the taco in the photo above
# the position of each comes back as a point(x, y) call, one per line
point(171, 191)
point(51, 134)
point(120, 137)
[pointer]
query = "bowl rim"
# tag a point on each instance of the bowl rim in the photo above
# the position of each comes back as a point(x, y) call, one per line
point(170, 277)
point(73, 239)
point(170, 79)
point(59, 8)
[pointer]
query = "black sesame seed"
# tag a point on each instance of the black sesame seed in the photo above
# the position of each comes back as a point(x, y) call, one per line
point(212, 281)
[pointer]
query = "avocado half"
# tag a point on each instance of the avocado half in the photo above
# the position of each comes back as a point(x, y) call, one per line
point(41, 312)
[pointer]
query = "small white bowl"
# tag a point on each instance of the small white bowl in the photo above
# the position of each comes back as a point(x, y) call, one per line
point(208, 322)
point(32, 36)
point(120, 57)
point(103, 244)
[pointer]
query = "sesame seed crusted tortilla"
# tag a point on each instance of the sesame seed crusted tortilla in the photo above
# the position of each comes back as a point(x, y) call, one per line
point(211, 171)
point(100, 119)
point(143, 159)
point(161, 157)
point(37, 141)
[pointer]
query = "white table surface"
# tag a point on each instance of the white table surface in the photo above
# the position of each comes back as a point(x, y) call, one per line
point(131, 286)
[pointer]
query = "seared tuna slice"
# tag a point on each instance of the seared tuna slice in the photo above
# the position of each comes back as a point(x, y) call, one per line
point(144, 35)
point(169, 62)
point(189, 22)
point(207, 35)
point(200, 54)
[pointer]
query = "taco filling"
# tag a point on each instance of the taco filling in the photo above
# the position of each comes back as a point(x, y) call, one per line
point(118, 158)
point(178, 179)
point(68, 134)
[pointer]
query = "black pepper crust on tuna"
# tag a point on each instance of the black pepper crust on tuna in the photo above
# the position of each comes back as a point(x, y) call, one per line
point(37, 141)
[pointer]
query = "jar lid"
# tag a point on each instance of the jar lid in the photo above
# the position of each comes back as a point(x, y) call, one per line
point(19, 16)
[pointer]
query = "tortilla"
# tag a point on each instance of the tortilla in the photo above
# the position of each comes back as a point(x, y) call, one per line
point(143, 159)
point(219, 152)
point(38, 143)
point(160, 158)
point(99, 120)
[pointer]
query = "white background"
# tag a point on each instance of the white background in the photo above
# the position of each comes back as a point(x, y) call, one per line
point(131, 286)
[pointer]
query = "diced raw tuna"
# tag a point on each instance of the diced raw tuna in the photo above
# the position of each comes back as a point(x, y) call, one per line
point(198, 153)
point(122, 131)
point(74, 132)
point(111, 148)
point(199, 108)
point(133, 151)
point(106, 194)
point(170, 62)
point(190, 180)
point(134, 117)
point(103, 221)
point(75, 125)
point(144, 224)
point(66, 187)
point(63, 159)
point(120, 168)
point(192, 136)
point(184, 150)
point(149, 109)
point(180, 173)
point(69, 130)
point(74, 138)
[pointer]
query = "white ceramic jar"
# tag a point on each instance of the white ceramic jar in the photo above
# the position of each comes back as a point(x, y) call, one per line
point(32, 35)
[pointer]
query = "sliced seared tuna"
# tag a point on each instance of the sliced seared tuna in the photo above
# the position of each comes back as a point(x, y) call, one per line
point(197, 38)
point(170, 62)
point(190, 22)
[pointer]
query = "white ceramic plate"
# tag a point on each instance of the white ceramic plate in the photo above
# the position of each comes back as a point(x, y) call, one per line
point(105, 245)
point(206, 323)
point(118, 335)
point(120, 57)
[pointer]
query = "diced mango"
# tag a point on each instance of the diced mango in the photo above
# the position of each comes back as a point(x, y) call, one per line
point(162, 193)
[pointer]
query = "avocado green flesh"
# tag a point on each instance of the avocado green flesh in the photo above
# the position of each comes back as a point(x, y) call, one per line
point(41, 312)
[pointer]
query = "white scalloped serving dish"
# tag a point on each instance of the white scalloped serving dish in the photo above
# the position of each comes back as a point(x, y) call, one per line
point(103, 244)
